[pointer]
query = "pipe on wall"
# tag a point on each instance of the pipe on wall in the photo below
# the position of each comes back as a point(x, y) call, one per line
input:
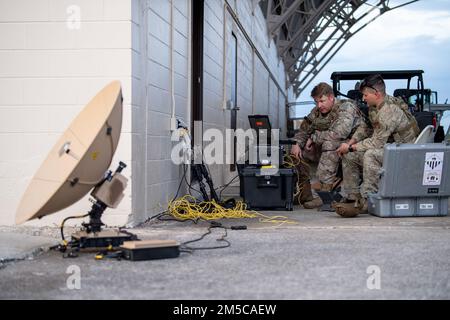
point(172, 71)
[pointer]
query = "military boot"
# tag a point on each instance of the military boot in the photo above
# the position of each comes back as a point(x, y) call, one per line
point(326, 187)
point(351, 209)
point(306, 193)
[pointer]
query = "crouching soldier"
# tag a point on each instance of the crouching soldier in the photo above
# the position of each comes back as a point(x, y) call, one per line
point(321, 133)
point(363, 154)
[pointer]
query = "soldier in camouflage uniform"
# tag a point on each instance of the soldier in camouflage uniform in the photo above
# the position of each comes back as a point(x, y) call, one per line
point(391, 121)
point(330, 123)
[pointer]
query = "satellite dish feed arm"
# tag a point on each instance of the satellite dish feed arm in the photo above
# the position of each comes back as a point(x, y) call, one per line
point(76, 181)
point(65, 149)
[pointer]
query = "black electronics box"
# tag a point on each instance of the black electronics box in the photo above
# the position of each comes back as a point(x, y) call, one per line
point(262, 151)
point(261, 124)
point(267, 188)
point(150, 250)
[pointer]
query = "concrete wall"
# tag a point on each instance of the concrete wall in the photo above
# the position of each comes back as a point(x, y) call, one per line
point(49, 70)
point(50, 67)
point(258, 86)
point(152, 97)
point(152, 24)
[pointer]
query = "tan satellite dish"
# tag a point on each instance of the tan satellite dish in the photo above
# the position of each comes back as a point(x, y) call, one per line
point(79, 160)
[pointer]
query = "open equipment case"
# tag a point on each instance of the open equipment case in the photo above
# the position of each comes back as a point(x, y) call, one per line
point(266, 184)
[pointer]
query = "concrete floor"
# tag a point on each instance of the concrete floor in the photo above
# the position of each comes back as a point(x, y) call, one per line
point(323, 256)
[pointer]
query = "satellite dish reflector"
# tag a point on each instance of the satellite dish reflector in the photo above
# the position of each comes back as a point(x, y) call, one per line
point(79, 159)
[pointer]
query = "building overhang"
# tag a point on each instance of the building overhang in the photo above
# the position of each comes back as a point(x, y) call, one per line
point(309, 33)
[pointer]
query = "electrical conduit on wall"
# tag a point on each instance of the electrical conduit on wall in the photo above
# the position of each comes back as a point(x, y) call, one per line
point(144, 8)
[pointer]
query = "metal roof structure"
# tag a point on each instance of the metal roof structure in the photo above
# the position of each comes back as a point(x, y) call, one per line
point(308, 33)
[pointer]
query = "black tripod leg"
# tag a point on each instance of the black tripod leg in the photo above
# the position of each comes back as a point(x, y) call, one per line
point(210, 183)
point(199, 176)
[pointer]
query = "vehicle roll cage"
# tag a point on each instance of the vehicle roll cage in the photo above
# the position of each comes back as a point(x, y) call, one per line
point(407, 75)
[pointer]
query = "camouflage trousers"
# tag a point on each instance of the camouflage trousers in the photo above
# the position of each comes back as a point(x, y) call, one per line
point(327, 159)
point(362, 167)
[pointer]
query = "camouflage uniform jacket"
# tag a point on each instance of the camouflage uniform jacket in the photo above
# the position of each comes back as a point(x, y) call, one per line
point(391, 122)
point(334, 127)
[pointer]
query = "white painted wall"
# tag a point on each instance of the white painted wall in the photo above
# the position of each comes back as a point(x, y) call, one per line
point(48, 72)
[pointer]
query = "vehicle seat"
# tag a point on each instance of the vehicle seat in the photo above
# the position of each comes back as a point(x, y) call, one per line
point(354, 95)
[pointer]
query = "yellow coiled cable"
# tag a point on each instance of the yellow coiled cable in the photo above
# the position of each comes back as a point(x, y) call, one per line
point(187, 208)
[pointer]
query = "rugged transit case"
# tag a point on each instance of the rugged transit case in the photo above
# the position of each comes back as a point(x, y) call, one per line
point(415, 181)
point(267, 188)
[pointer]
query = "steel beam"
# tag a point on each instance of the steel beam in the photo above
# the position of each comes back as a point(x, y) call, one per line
point(308, 33)
point(276, 21)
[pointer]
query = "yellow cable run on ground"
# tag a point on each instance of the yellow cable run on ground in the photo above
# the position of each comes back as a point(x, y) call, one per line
point(186, 208)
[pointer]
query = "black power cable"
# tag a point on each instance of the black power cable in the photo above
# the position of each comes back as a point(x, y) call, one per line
point(160, 218)
point(70, 218)
point(226, 186)
point(181, 181)
point(222, 239)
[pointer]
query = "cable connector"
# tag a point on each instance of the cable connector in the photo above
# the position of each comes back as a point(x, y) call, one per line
point(243, 227)
point(181, 124)
point(177, 123)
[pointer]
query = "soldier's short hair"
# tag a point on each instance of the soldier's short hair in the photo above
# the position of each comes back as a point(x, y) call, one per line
point(375, 82)
point(322, 89)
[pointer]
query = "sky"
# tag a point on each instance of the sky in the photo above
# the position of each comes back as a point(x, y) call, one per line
point(416, 36)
